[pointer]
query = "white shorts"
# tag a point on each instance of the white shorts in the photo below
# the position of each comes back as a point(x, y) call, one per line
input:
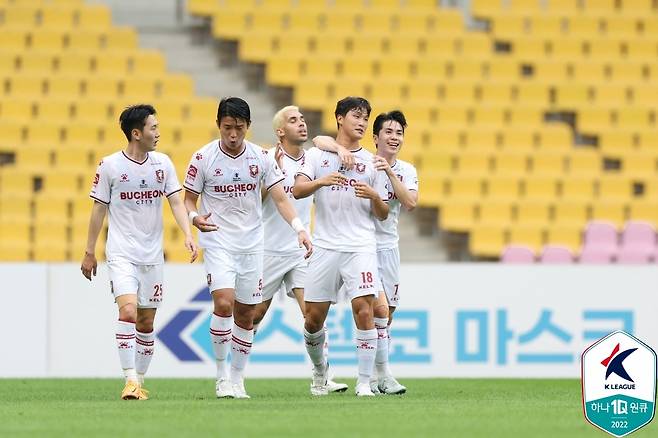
point(241, 272)
point(279, 271)
point(144, 280)
point(328, 270)
point(388, 263)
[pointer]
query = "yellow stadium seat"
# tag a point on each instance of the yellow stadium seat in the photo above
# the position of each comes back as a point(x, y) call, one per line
point(502, 188)
point(593, 119)
point(641, 49)
point(57, 18)
point(18, 16)
point(644, 211)
point(475, 163)
point(599, 6)
point(548, 163)
point(465, 188)
point(528, 117)
point(474, 45)
point(15, 203)
point(48, 40)
point(431, 69)
point(573, 96)
point(465, 69)
point(453, 116)
point(62, 184)
point(645, 95)
point(457, 216)
point(36, 63)
point(16, 110)
point(495, 93)
point(584, 25)
point(612, 95)
point(533, 213)
point(567, 235)
point(44, 134)
point(14, 250)
point(578, 188)
point(550, 71)
point(63, 87)
point(14, 39)
point(517, 140)
point(49, 207)
point(529, 93)
point(503, 70)
point(511, 164)
point(33, 159)
point(54, 111)
point(101, 87)
point(613, 141)
point(487, 240)
point(615, 188)
point(487, 116)
point(631, 117)
point(587, 72)
point(94, 17)
point(639, 165)
point(485, 8)
point(628, 72)
point(584, 162)
point(485, 140)
point(570, 213)
point(73, 63)
point(566, 49)
point(25, 86)
point(509, 26)
point(540, 187)
point(610, 211)
point(527, 48)
point(527, 235)
point(546, 25)
point(498, 213)
point(622, 26)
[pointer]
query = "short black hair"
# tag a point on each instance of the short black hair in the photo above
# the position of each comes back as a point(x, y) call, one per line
point(134, 117)
point(394, 115)
point(350, 103)
point(234, 107)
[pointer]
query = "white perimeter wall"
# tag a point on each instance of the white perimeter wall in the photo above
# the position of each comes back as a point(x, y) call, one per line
point(455, 320)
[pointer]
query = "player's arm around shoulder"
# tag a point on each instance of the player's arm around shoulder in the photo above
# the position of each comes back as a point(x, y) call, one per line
point(406, 189)
point(307, 180)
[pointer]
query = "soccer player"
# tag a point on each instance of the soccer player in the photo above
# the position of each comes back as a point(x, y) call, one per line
point(228, 174)
point(284, 264)
point(131, 184)
point(402, 188)
point(344, 235)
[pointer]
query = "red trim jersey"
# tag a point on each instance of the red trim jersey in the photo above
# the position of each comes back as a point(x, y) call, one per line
point(230, 189)
point(387, 231)
point(344, 222)
point(133, 192)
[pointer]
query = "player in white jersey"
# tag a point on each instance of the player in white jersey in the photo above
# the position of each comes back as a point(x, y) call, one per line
point(131, 185)
point(229, 174)
point(402, 189)
point(344, 235)
point(284, 264)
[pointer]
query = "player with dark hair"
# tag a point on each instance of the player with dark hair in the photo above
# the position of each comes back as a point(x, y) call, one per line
point(130, 185)
point(402, 190)
point(344, 236)
point(228, 174)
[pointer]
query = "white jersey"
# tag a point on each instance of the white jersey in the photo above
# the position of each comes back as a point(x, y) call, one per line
point(387, 230)
point(133, 192)
point(230, 189)
point(280, 238)
point(343, 222)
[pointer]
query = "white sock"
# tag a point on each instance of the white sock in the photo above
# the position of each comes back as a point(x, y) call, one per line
point(325, 345)
point(144, 353)
point(125, 336)
point(366, 349)
point(240, 349)
point(220, 337)
point(315, 347)
point(381, 359)
point(256, 328)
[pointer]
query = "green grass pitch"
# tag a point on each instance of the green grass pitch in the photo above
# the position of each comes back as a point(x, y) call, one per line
point(284, 408)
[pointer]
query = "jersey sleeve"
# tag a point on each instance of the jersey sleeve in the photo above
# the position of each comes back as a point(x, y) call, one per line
point(411, 179)
point(194, 177)
point(272, 173)
point(101, 186)
point(172, 185)
point(380, 185)
point(308, 166)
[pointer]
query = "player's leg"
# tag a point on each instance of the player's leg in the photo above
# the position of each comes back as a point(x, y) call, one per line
point(248, 293)
point(359, 271)
point(124, 285)
point(389, 264)
point(149, 298)
point(274, 268)
point(221, 276)
point(320, 288)
point(380, 318)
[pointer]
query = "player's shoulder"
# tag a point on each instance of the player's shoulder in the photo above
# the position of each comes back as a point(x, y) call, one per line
point(159, 157)
point(405, 166)
point(206, 150)
point(110, 161)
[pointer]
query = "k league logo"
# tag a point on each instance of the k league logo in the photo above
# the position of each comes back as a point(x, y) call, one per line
point(619, 384)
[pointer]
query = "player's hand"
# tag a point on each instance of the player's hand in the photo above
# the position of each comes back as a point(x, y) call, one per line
point(363, 190)
point(192, 248)
point(346, 157)
point(89, 265)
point(203, 224)
point(381, 164)
point(305, 241)
point(278, 154)
point(333, 179)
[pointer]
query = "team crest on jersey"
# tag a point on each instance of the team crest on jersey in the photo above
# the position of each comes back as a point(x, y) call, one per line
point(124, 177)
point(325, 163)
point(198, 157)
point(218, 172)
point(159, 175)
point(253, 170)
point(360, 167)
